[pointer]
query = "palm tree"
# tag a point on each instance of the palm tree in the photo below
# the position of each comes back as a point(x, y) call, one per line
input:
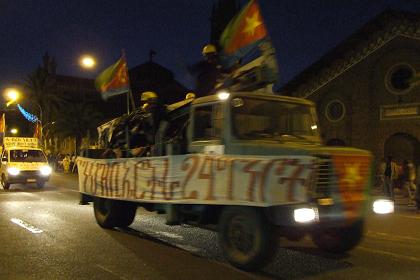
point(42, 94)
point(78, 120)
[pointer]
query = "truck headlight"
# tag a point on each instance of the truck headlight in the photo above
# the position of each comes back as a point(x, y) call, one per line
point(223, 95)
point(45, 170)
point(383, 206)
point(13, 171)
point(305, 215)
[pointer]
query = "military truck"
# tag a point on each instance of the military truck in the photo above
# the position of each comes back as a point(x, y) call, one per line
point(251, 164)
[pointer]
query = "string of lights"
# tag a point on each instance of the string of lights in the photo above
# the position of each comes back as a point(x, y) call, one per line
point(30, 117)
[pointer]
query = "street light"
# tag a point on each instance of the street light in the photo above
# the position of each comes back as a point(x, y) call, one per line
point(87, 61)
point(11, 94)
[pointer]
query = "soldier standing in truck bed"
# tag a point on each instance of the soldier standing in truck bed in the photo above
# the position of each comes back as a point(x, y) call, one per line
point(207, 72)
point(142, 134)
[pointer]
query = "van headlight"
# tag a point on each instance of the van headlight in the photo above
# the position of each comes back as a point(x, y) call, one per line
point(45, 170)
point(383, 206)
point(13, 171)
point(305, 215)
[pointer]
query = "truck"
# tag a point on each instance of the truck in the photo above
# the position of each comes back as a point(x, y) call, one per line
point(251, 166)
point(23, 162)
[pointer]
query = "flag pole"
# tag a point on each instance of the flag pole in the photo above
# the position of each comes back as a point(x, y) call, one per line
point(129, 92)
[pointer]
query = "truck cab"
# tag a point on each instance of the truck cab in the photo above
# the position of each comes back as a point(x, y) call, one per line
point(23, 162)
point(252, 124)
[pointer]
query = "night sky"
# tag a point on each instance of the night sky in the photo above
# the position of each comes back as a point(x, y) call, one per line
point(301, 30)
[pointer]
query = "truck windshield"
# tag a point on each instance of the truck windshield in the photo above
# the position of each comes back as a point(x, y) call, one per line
point(256, 119)
point(27, 156)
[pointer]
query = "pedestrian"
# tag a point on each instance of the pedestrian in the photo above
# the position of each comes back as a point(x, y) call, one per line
point(417, 192)
point(74, 163)
point(207, 72)
point(66, 163)
point(390, 174)
point(380, 180)
point(409, 177)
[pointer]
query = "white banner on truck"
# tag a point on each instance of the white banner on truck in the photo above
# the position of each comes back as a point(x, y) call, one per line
point(199, 179)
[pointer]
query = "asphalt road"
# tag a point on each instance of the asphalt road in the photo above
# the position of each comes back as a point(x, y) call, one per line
point(45, 234)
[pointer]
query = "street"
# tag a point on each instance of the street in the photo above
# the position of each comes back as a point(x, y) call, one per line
point(46, 234)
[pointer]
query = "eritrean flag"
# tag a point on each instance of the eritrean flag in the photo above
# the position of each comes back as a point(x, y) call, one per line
point(114, 80)
point(244, 31)
point(38, 130)
point(2, 127)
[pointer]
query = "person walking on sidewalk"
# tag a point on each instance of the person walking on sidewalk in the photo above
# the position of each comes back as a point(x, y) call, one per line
point(390, 174)
point(417, 193)
point(66, 164)
point(409, 177)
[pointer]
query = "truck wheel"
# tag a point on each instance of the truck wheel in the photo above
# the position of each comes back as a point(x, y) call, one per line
point(245, 237)
point(111, 213)
point(4, 184)
point(339, 240)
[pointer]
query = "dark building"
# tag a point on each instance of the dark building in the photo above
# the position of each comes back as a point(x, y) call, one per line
point(149, 76)
point(365, 88)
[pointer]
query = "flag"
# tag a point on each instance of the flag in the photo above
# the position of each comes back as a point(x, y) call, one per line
point(2, 127)
point(3, 124)
point(113, 80)
point(38, 130)
point(244, 30)
point(247, 51)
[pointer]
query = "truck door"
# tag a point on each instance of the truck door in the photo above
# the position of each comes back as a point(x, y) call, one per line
point(206, 129)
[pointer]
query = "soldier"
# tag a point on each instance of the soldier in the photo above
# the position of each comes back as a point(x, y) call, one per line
point(146, 124)
point(152, 106)
point(148, 100)
point(207, 72)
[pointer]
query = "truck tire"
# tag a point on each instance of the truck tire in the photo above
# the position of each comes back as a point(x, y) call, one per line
point(339, 240)
point(4, 183)
point(111, 213)
point(246, 238)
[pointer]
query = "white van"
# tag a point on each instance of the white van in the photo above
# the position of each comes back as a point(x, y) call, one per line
point(22, 163)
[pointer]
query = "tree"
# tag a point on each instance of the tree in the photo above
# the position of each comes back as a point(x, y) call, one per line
point(77, 120)
point(42, 94)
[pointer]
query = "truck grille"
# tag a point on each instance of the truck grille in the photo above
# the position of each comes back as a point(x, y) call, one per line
point(323, 176)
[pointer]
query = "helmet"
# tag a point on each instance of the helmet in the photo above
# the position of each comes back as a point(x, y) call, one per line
point(148, 95)
point(145, 106)
point(209, 49)
point(190, 95)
